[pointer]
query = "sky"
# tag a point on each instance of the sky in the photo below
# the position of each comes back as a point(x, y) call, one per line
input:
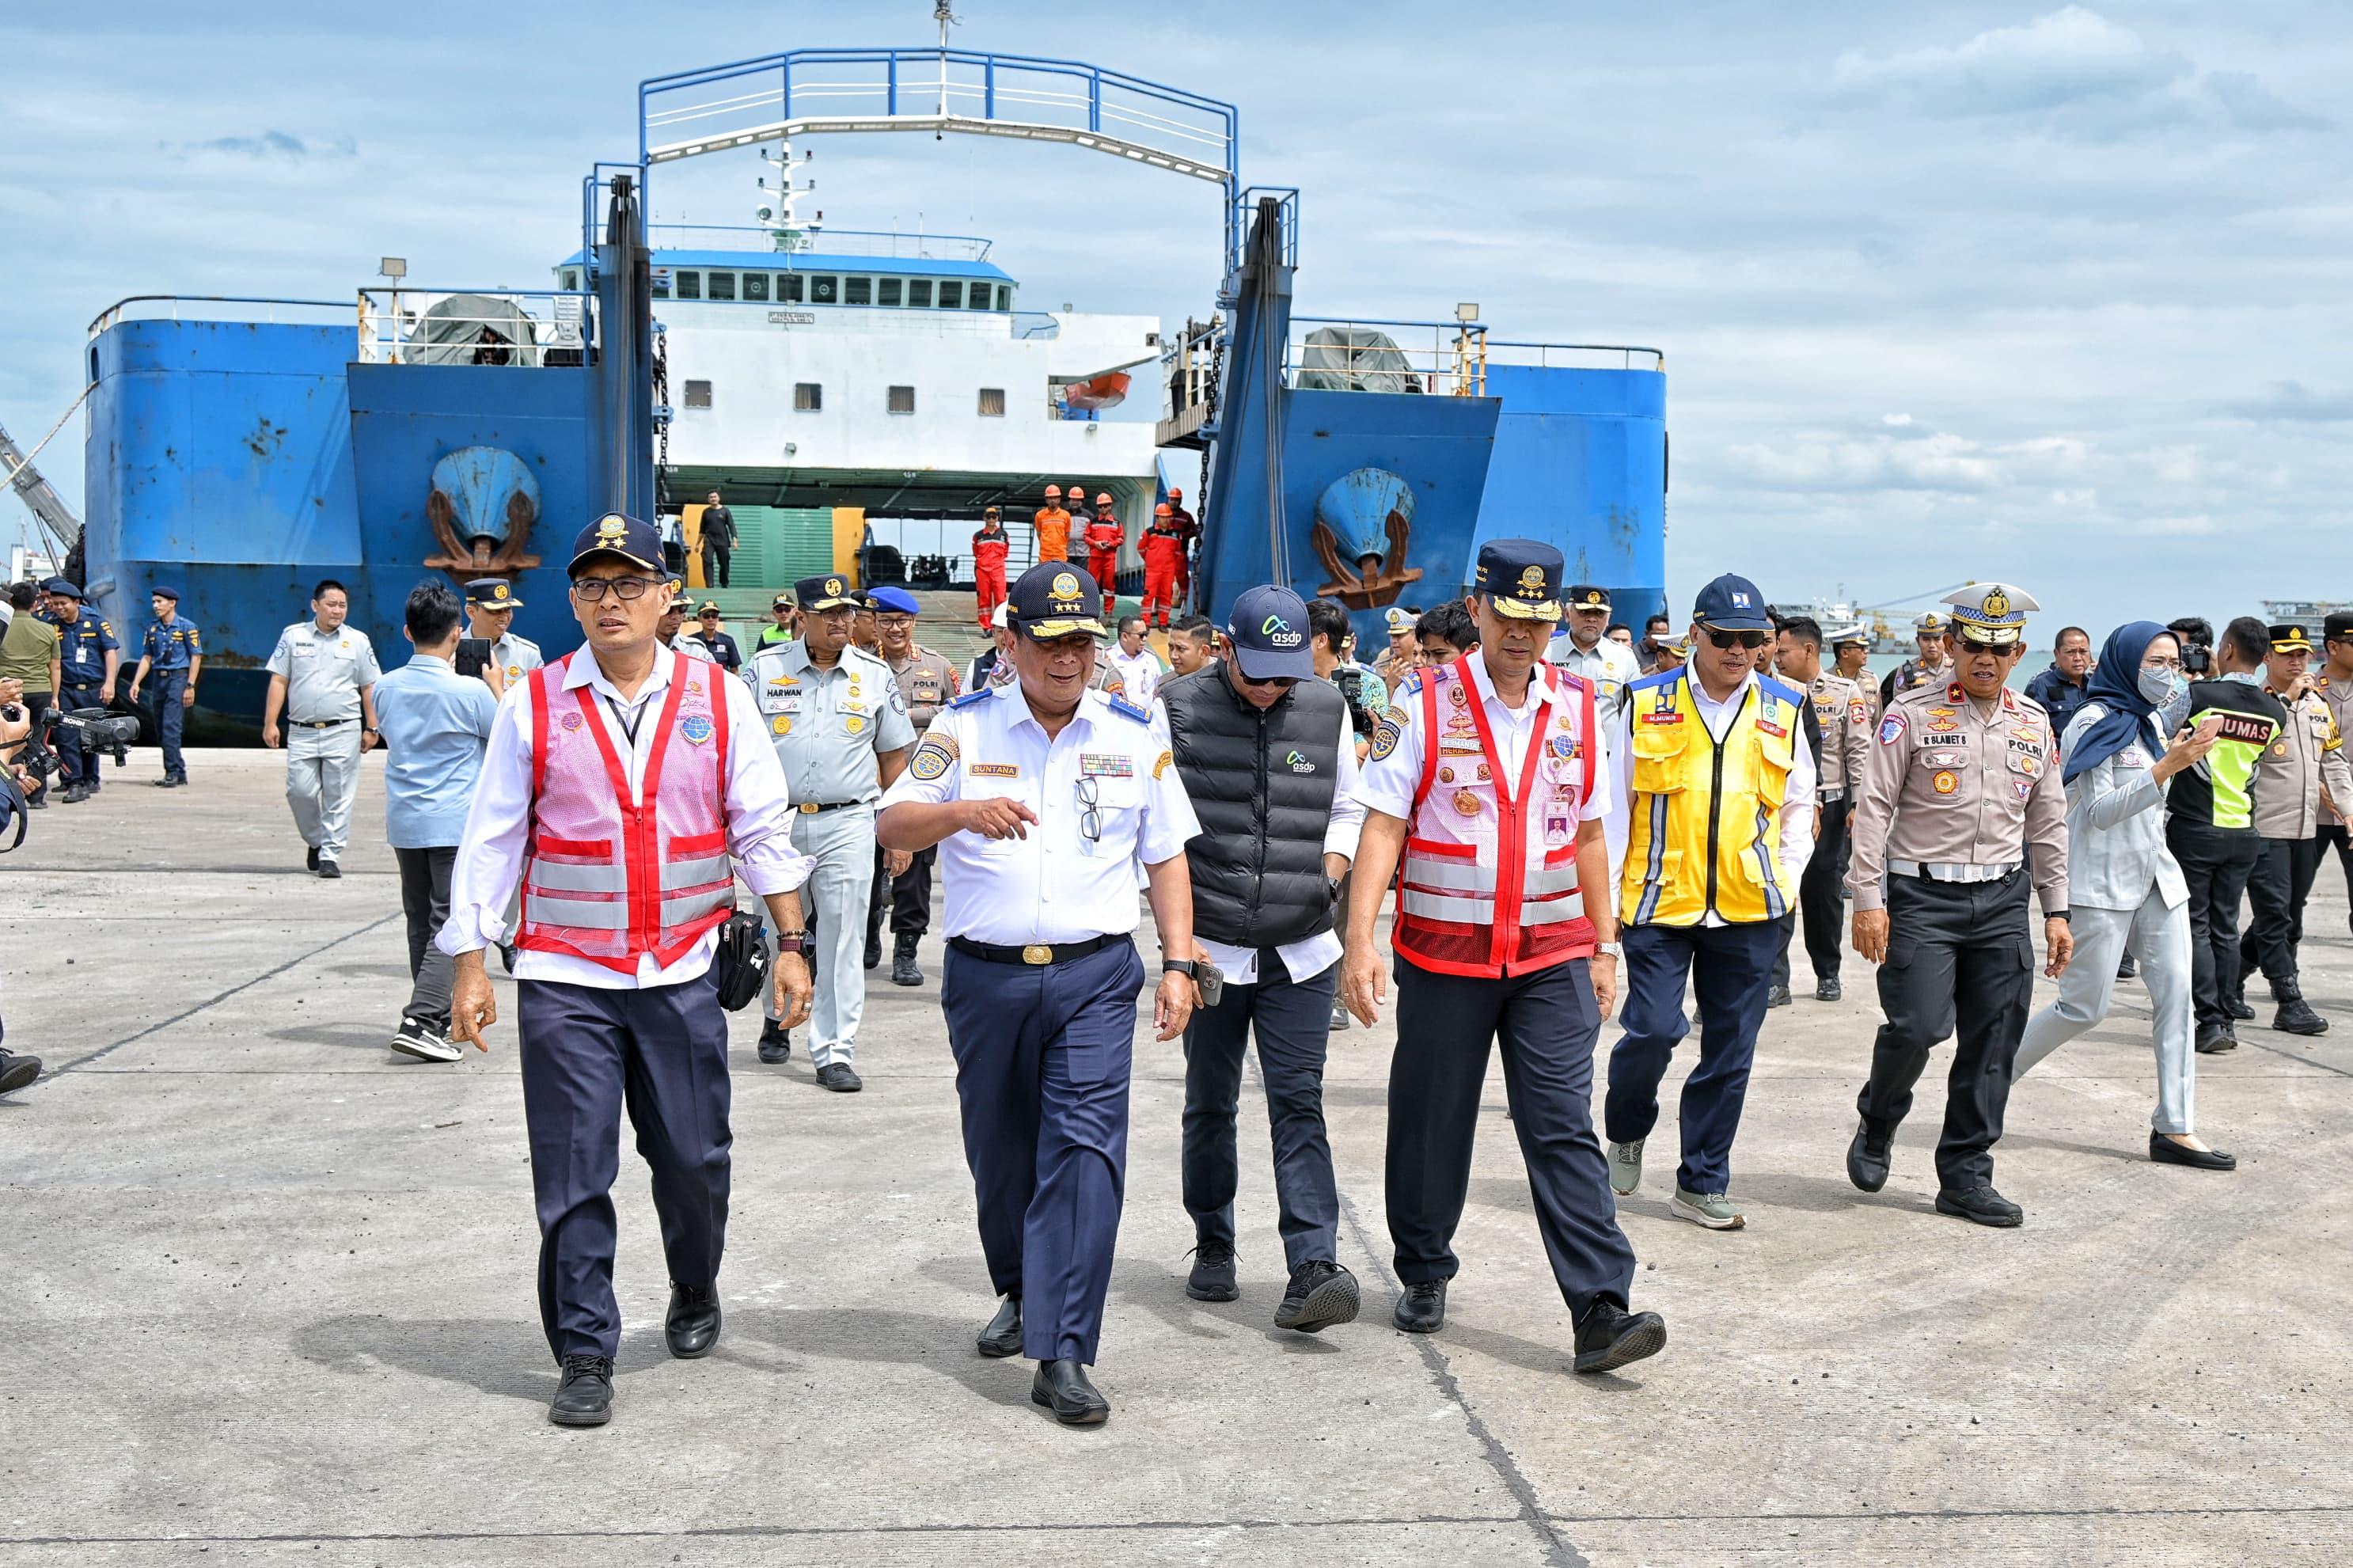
point(2052, 294)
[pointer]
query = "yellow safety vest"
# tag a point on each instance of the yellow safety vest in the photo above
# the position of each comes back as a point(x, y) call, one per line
point(1704, 830)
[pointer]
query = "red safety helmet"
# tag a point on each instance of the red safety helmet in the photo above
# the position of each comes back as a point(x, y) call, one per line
point(1163, 510)
point(1174, 494)
point(1053, 492)
point(1102, 498)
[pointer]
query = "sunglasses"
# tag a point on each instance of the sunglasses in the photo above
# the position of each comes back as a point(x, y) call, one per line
point(1971, 645)
point(1750, 640)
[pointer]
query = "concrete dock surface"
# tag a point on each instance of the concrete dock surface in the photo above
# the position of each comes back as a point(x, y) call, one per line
point(268, 1293)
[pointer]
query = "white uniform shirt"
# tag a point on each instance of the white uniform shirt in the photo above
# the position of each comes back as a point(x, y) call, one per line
point(1797, 804)
point(1393, 773)
point(1141, 675)
point(489, 860)
point(1057, 885)
point(1309, 956)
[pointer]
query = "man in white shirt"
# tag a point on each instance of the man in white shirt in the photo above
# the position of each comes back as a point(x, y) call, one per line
point(1268, 760)
point(1140, 670)
point(617, 783)
point(1046, 798)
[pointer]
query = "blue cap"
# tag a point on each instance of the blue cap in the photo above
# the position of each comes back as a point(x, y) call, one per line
point(1731, 604)
point(831, 591)
point(1521, 578)
point(615, 534)
point(897, 601)
point(1052, 600)
point(492, 593)
point(1268, 632)
point(61, 586)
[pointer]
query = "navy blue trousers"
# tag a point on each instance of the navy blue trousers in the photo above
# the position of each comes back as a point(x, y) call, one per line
point(663, 1051)
point(1546, 1024)
point(1293, 1023)
point(1042, 1056)
point(78, 763)
point(1729, 967)
point(171, 696)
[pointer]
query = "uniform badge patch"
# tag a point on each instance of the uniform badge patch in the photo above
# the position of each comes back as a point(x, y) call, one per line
point(1466, 802)
point(932, 759)
point(781, 724)
point(694, 688)
point(1778, 732)
point(2025, 787)
point(1445, 776)
point(571, 721)
point(1161, 764)
point(854, 724)
point(1891, 729)
point(1946, 781)
point(1385, 735)
point(696, 728)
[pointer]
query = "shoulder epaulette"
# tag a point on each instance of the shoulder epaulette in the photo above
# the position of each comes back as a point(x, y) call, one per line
point(1654, 680)
point(1122, 705)
point(1781, 689)
point(979, 696)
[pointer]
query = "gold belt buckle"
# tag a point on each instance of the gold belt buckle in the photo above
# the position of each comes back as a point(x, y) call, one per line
point(807, 808)
point(1038, 953)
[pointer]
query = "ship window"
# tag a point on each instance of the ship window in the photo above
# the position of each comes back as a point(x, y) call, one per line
point(721, 286)
point(951, 294)
point(697, 394)
point(808, 397)
point(919, 293)
point(857, 290)
point(661, 282)
point(886, 290)
point(1004, 296)
point(903, 399)
point(992, 402)
point(825, 289)
point(756, 285)
point(788, 288)
point(689, 285)
point(572, 280)
point(981, 295)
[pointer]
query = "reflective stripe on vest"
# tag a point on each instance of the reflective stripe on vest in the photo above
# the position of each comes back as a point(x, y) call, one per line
point(1480, 891)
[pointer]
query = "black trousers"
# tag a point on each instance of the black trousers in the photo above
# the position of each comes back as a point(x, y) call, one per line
point(1546, 1024)
point(907, 896)
point(1960, 958)
point(2216, 864)
point(2280, 882)
point(2334, 837)
point(1821, 891)
point(425, 901)
point(715, 564)
point(1293, 1023)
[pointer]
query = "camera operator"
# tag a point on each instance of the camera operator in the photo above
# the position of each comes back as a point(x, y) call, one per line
point(29, 654)
point(2197, 637)
point(16, 730)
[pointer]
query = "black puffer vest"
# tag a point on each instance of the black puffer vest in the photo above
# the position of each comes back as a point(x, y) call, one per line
point(1244, 768)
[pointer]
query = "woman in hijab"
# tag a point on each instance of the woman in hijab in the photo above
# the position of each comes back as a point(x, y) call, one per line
point(2125, 891)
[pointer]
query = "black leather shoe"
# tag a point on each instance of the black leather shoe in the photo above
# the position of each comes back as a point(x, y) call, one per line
point(1320, 1295)
point(1982, 1205)
point(1778, 996)
point(1829, 989)
point(1212, 1279)
point(1609, 1336)
point(1002, 1338)
point(17, 1071)
point(776, 1045)
point(2295, 1015)
point(310, 858)
point(2128, 967)
point(2236, 1006)
point(692, 1326)
point(874, 948)
point(585, 1397)
point(73, 795)
point(2215, 1038)
point(328, 868)
point(838, 1077)
point(1866, 1162)
point(1422, 1310)
point(903, 967)
point(2165, 1151)
point(1062, 1388)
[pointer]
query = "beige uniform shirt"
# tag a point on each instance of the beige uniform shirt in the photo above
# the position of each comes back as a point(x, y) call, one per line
point(1944, 783)
point(928, 683)
point(2338, 695)
point(1845, 717)
point(2307, 753)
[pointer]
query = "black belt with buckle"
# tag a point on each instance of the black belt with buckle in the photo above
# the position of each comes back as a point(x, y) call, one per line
point(1035, 953)
point(320, 723)
point(811, 808)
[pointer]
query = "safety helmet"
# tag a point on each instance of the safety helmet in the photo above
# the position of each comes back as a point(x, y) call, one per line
point(1102, 498)
point(1163, 510)
point(1174, 494)
point(1053, 492)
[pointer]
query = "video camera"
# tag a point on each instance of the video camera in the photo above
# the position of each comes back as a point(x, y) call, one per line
point(98, 729)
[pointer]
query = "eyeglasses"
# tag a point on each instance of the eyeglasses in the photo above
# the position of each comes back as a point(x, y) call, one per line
point(2160, 662)
point(895, 622)
point(1090, 812)
point(1751, 640)
point(592, 590)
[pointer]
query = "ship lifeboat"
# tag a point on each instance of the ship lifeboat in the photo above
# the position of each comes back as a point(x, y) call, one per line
point(1108, 390)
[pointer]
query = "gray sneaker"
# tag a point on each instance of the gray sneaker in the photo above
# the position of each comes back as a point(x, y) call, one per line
point(1713, 1210)
point(1625, 1167)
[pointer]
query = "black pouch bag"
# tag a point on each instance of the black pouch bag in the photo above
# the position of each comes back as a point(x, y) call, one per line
point(741, 968)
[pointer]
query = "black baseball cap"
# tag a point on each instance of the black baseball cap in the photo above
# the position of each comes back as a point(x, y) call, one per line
point(1268, 632)
point(1053, 600)
point(491, 593)
point(1521, 578)
point(1731, 603)
point(615, 534)
point(831, 591)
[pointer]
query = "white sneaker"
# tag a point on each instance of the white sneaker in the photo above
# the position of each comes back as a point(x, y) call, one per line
point(1626, 1166)
point(1717, 1210)
point(427, 1045)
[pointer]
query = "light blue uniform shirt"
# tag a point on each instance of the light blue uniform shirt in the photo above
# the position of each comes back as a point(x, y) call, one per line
point(436, 723)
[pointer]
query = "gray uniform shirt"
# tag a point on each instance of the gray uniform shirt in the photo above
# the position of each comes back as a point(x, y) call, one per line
point(2116, 827)
point(1844, 713)
point(1610, 666)
point(829, 725)
point(323, 670)
point(516, 656)
point(2307, 753)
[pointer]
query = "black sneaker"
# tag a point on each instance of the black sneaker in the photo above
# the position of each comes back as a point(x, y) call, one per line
point(1778, 996)
point(2215, 1038)
point(874, 950)
point(904, 970)
point(2294, 1015)
point(1981, 1204)
point(17, 1071)
point(1420, 1308)
point(1320, 1295)
point(840, 1077)
point(1829, 989)
point(2236, 1006)
point(585, 1397)
point(2128, 967)
point(776, 1043)
point(329, 869)
point(310, 858)
point(1608, 1337)
point(1212, 1279)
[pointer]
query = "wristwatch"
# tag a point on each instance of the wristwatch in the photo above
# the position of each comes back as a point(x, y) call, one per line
point(1610, 950)
point(2056, 914)
point(793, 942)
point(1184, 967)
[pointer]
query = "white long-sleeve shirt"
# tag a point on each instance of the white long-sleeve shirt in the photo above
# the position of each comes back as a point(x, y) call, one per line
point(1309, 956)
point(489, 858)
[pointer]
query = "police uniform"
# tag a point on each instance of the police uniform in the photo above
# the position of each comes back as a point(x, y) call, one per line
point(1719, 793)
point(514, 656)
point(1865, 688)
point(1610, 668)
point(170, 650)
point(2338, 695)
point(2306, 757)
point(927, 683)
point(1916, 671)
point(832, 728)
point(83, 645)
point(1042, 976)
point(1485, 960)
point(325, 674)
point(1953, 796)
point(1843, 713)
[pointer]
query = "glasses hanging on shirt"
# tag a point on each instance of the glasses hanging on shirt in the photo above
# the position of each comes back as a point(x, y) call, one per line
point(1090, 808)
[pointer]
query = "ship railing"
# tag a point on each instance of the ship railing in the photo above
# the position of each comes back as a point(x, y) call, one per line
point(525, 329)
point(885, 242)
point(239, 308)
point(1338, 354)
point(1576, 356)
